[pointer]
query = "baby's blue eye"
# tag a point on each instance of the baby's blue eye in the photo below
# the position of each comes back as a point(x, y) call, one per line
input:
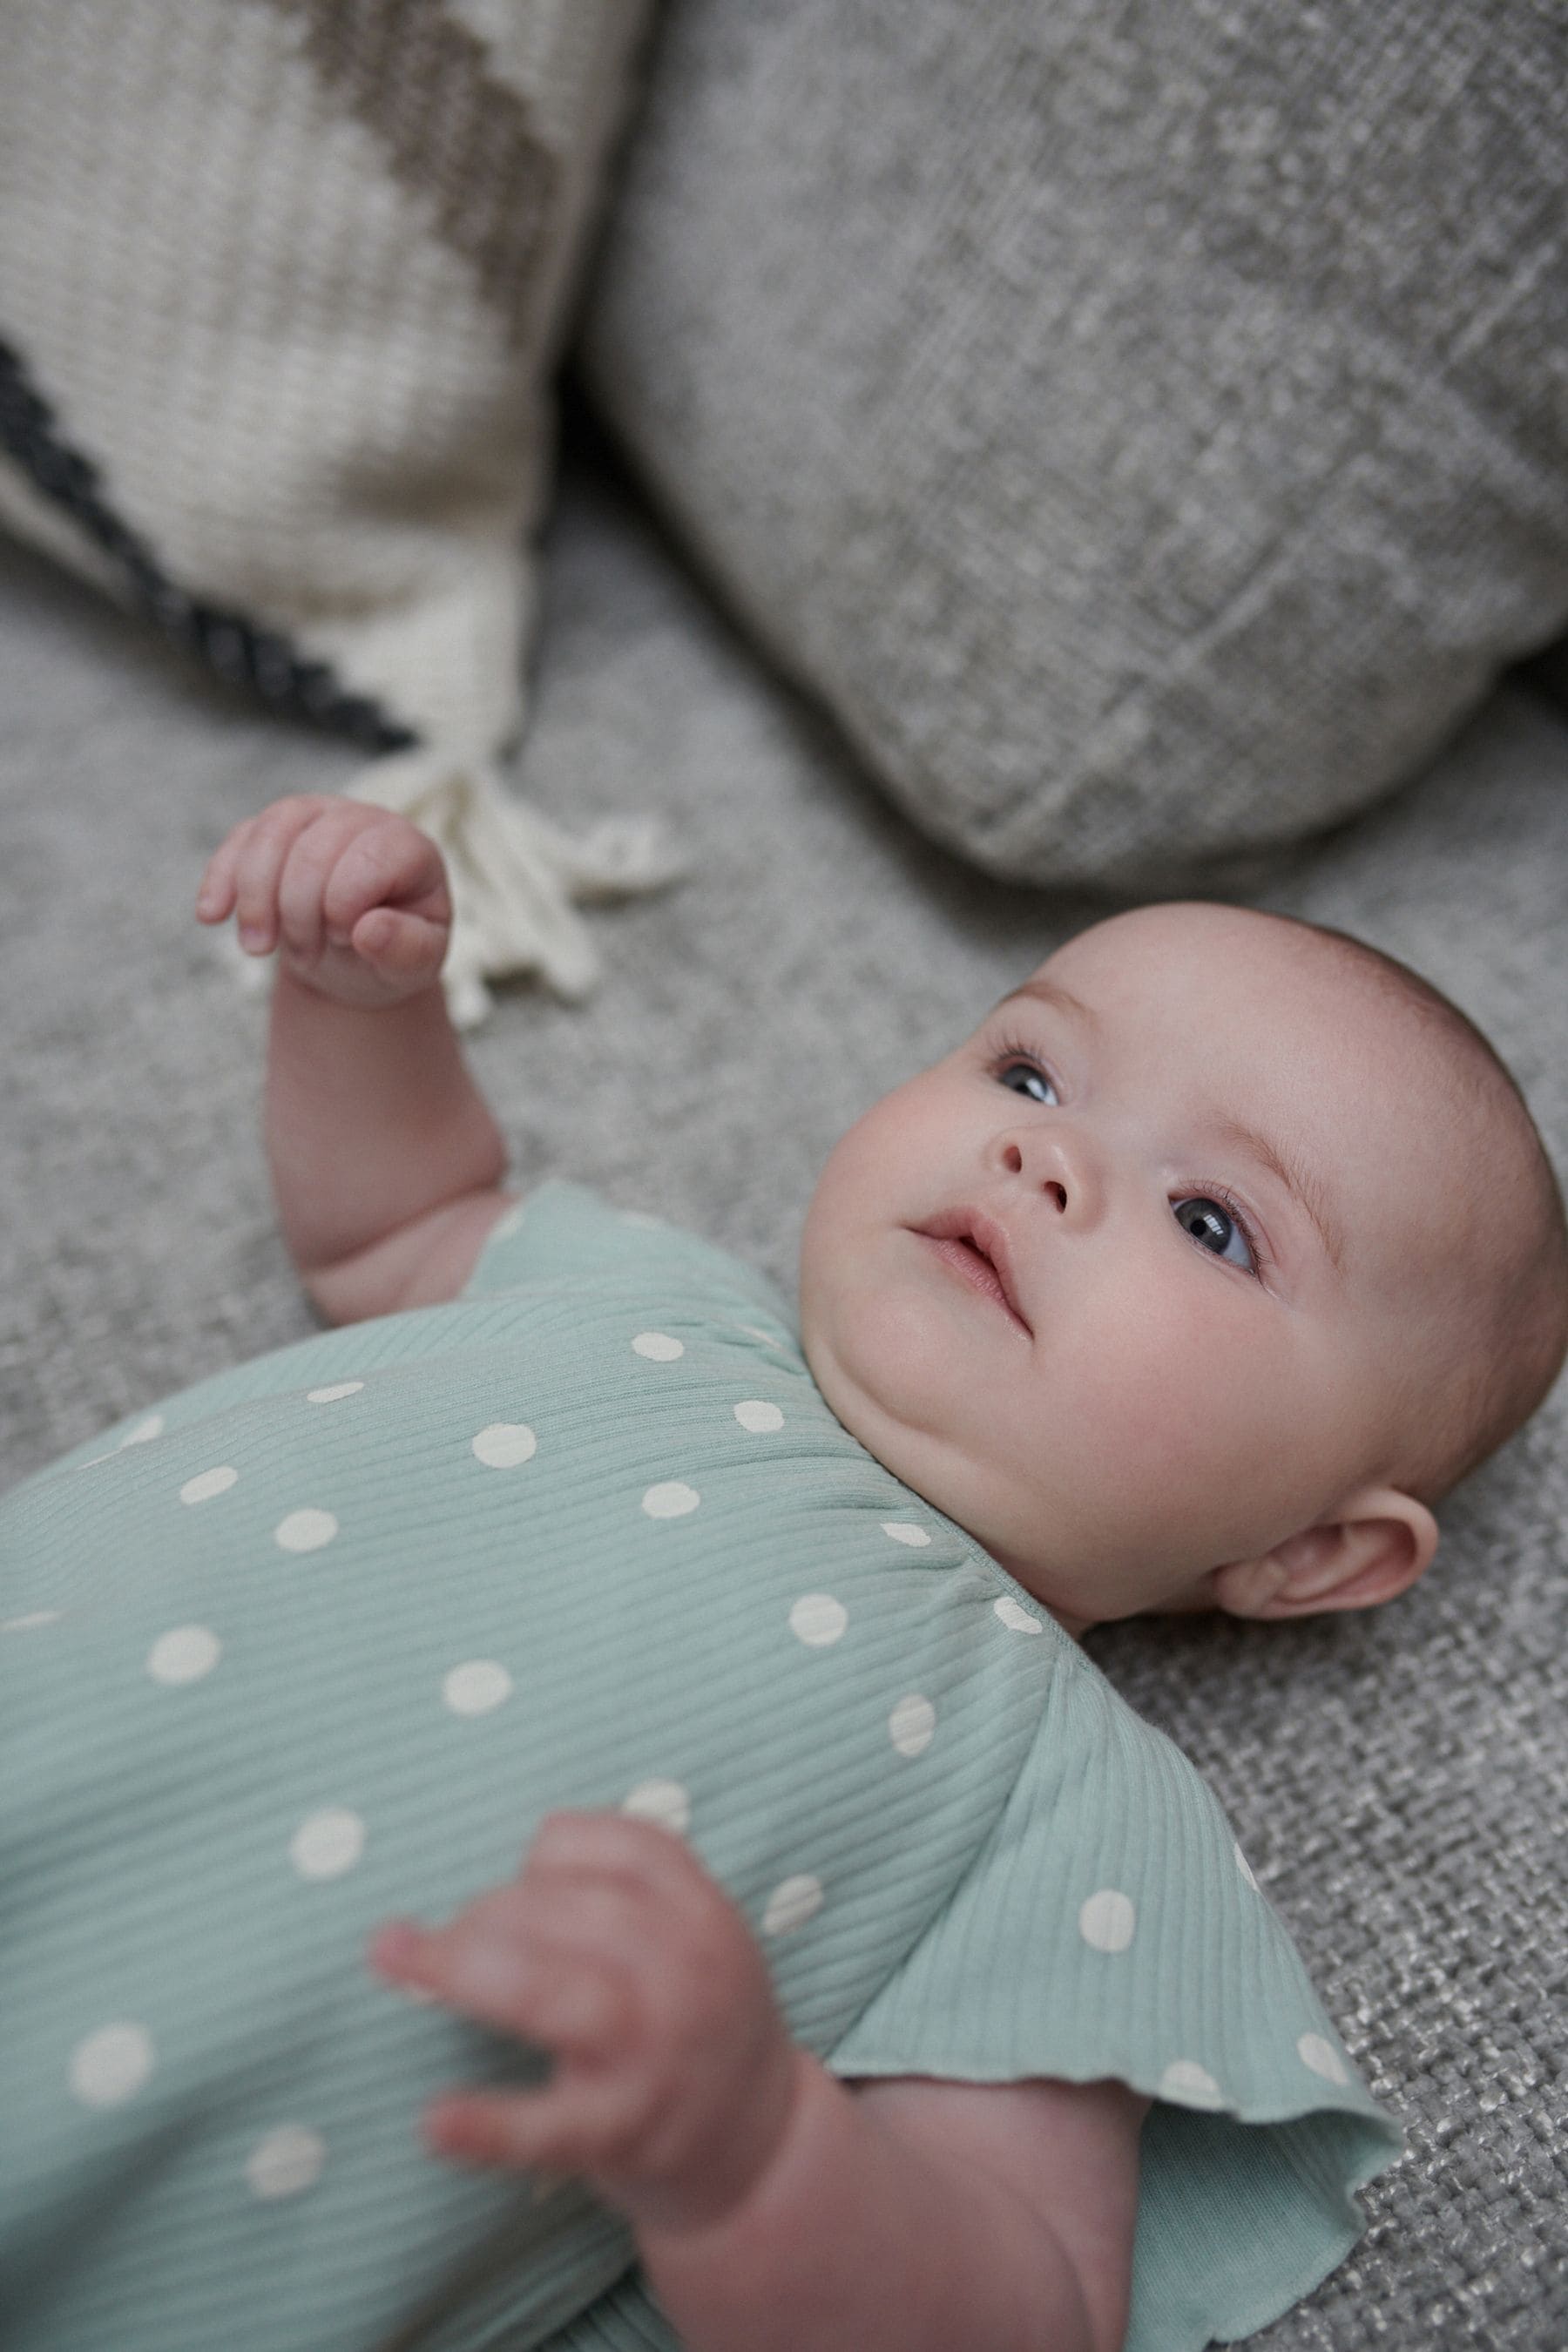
point(1027, 1078)
point(1213, 1228)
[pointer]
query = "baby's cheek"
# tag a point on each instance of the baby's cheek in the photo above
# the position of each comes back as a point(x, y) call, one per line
point(1171, 1401)
point(882, 1367)
point(1211, 1430)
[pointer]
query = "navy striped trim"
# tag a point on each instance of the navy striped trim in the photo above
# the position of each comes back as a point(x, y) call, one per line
point(220, 638)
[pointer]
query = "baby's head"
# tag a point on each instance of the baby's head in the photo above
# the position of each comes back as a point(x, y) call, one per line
point(1198, 1274)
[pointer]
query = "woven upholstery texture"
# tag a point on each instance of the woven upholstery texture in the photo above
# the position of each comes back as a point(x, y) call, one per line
point(1398, 1780)
point(289, 275)
point(1144, 426)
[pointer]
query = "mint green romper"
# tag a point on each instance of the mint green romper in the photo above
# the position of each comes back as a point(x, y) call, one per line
point(320, 1640)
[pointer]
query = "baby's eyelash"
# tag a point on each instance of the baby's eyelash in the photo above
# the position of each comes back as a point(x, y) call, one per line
point(1008, 1051)
point(1238, 1215)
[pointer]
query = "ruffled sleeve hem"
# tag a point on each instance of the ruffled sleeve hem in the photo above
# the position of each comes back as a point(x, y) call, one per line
point(1111, 1929)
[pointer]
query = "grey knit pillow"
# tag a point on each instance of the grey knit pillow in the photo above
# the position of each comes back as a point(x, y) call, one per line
point(1145, 426)
point(281, 283)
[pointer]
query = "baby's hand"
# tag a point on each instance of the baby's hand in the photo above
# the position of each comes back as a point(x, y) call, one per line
point(355, 899)
point(614, 1951)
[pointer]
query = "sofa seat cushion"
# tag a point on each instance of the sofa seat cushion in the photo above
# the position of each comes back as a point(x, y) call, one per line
point(1145, 430)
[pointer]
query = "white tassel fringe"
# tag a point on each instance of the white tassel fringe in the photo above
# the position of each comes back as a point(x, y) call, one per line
point(514, 875)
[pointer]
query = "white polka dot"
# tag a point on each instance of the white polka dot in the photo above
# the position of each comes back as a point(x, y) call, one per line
point(1188, 2085)
point(152, 1427)
point(911, 1724)
point(208, 1483)
point(35, 1617)
point(793, 1902)
point(1106, 1920)
point(1322, 2058)
point(111, 2065)
point(505, 1444)
point(817, 1619)
point(658, 1347)
point(476, 1686)
point(665, 1801)
point(305, 1530)
point(671, 1500)
point(903, 1531)
point(1016, 1617)
point(286, 2161)
point(330, 1396)
point(184, 1655)
point(756, 1415)
point(327, 1844)
point(1245, 1867)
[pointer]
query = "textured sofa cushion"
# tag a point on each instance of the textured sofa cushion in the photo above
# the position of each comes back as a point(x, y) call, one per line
point(1146, 427)
point(280, 286)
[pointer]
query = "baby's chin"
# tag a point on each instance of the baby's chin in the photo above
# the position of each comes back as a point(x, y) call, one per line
point(889, 1379)
point(898, 1425)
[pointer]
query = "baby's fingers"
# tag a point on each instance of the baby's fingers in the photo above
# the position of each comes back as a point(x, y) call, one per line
point(387, 861)
point(561, 2129)
point(399, 945)
point(244, 875)
point(516, 1982)
point(216, 892)
point(483, 2127)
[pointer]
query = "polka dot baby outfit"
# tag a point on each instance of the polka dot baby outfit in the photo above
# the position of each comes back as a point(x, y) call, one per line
point(320, 1640)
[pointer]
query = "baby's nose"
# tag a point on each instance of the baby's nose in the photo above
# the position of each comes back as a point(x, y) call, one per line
point(1051, 1186)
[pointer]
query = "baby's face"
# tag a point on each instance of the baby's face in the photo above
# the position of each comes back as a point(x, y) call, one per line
point(1129, 1285)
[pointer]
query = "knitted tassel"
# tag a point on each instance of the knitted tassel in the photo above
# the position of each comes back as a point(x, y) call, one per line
point(514, 875)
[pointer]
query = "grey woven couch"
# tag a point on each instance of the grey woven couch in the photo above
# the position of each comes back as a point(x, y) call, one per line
point(1400, 1779)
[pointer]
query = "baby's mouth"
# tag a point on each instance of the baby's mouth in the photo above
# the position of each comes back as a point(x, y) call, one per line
point(976, 1247)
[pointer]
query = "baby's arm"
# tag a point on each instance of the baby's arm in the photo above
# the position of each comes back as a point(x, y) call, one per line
point(386, 1160)
point(773, 2206)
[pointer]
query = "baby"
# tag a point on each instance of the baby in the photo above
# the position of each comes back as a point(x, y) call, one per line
point(1193, 1280)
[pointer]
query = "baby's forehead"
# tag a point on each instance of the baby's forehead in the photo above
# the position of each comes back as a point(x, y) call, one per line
point(1265, 974)
point(1198, 935)
point(1390, 1072)
point(1295, 1032)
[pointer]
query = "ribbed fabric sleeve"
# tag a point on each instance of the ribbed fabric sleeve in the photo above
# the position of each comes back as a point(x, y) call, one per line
point(1111, 1928)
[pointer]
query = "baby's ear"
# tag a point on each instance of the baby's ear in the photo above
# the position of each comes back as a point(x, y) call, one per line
point(1375, 1547)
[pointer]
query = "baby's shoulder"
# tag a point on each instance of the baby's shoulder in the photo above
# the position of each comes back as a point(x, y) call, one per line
point(565, 1232)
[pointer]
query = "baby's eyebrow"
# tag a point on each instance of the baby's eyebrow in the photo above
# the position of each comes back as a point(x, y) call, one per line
point(1297, 1178)
point(1051, 992)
